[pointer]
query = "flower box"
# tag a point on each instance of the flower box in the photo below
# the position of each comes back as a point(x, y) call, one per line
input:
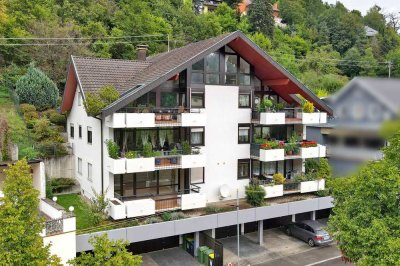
point(193, 201)
point(272, 118)
point(137, 165)
point(309, 118)
point(117, 209)
point(137, 208)
point(140, 120)
point(273, 191)
point(272, 155)
point(194, 160)
point(116, 166)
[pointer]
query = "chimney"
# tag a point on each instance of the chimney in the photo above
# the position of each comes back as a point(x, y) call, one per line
point(141, 52)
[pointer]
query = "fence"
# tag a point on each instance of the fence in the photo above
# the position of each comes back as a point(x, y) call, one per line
point(215, 245)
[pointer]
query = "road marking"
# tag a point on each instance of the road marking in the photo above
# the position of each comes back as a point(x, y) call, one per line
point(322, 261)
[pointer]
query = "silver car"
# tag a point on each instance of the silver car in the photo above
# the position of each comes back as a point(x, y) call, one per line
point(309, 231)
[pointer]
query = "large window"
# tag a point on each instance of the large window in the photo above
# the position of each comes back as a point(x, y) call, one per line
point(244, 133)
point(212, 68)
point(197, 175)
point(243, 168)
point(198, 72)
point(197, 136)
point(244, 100)
point(169, 99)
point(197, 100)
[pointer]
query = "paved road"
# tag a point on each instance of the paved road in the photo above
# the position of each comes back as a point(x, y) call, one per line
point(319, 256)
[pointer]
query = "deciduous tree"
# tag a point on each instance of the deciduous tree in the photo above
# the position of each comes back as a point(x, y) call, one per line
point(260, 17)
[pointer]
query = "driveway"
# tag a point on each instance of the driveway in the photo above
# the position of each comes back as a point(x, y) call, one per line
point(168, 257)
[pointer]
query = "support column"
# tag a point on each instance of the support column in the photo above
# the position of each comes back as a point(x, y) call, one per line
point(241, 229)
point(180, 240)
point(196, 242)
point(260, 232)
point(313, 214)
point(213, 233)
point(293, 218)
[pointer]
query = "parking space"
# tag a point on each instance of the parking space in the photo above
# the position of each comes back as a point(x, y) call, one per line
point(172, 256)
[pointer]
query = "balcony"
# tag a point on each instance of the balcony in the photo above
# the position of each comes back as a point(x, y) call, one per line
point(291, 187)
point(143, 117)
point(271, 151)
point(287, 116)
point(58, 221)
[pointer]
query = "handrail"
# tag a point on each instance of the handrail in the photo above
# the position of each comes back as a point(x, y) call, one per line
point(164, 110)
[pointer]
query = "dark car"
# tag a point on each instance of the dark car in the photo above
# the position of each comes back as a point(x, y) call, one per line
point(309, 231)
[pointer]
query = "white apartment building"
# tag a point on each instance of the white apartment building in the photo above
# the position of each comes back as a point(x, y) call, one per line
point(196, 108)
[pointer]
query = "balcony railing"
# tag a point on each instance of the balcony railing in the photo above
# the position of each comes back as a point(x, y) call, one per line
point(54, 226)
point(287, 116)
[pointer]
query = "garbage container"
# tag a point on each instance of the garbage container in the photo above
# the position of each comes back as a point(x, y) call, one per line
point(206, 253)
point(190, 245)
point(200, 253)
point(211, 257)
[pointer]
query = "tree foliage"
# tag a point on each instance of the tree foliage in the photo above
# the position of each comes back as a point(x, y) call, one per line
point(260, 17)
point(107, 252)
point(20, 242)
point(96, 102)
point(37, 89)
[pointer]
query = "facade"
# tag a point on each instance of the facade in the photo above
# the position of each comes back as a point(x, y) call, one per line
point(352, 134)
point(187, 126)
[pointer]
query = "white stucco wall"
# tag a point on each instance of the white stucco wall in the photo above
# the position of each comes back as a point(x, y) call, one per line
point(62, 245)
point(89, 153)
point(221, 141)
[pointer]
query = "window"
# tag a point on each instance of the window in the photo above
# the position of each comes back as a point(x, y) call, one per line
point(244, 100)
point(80, 166)
point(79, 99)
point(71, 130)
point(198, 72)
point(197, 175)
point(169, 99)
point(212, 68)
point(243, 168)
point(244, 78)
point(80, 131)
point(89, 173)
point(244, 133)
point(230, 69)
point(89, 135)
point(197, 136)
point(197, 100)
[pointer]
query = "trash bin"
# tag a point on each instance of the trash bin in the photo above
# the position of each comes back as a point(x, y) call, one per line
point(200, 253)
point(206, 253)
point(190, 245)
point(211, 257)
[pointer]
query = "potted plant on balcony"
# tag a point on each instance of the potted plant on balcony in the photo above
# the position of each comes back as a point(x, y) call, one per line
point(309, 144)
point(147, 150)
point(265, 105)
point(174, 152)
point(272, 145)
point(131, 155)
point(186, 148)
point(308, 107)
point(113, 149)
point(292, 147)
point(116, 165)
point(279, 179)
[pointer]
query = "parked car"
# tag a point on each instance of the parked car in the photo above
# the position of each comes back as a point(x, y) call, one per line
point(309, 231)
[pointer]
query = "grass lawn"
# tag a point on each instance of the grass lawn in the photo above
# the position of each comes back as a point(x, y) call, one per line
point(81, 209)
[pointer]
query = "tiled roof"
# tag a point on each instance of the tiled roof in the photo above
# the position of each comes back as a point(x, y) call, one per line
point(94, 73)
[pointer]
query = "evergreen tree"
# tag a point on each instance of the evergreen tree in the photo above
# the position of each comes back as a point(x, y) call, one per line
point(260, 17)
point(20, 242)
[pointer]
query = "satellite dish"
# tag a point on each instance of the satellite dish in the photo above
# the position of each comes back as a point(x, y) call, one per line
point(224, 191)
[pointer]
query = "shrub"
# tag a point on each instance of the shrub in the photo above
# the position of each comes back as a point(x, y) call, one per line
point(153, 220)
point(131, 155)
point(47, 113)
point(265, 105)
point(166, 216)
point(59, 184)
point(108, 94)
point(177, 216)
point(42, 129)
point(255, 195)
point(29, 153)
point(308, 107)
point(112, 148)
point(30, 116)
point(37, 89)
point(26, 107)
point(279, 179)
point(51, 149)
point(57, 119)
point(324, 170)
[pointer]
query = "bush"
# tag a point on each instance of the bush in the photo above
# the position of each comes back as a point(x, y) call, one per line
point(51, 149)
point(172, 216)
point(186, 148)
point(131, 155)
point(37, 89)
point(26, 108)
point(113, 149)
point(49, 112)
point(279, 179)
point(308, 107)
point(153, 220)
point(58, 184)
point(42, 129)
point(147, 150)
point(325, 170)
point(255, 195)
point(30, 116)
point(57, 119)
point(29, 153)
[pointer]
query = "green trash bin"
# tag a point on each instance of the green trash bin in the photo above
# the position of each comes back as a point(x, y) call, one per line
point(200, 253)
point(211, 257)
point(206, 254)
point(190, 245)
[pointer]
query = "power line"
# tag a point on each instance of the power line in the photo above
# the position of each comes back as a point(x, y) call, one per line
point(83, 38)
point(78, 43)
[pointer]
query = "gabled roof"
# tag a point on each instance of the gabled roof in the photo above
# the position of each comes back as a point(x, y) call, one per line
point(385, 90)
point(135, 78)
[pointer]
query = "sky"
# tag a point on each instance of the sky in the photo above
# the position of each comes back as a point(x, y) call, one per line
point(363, 5)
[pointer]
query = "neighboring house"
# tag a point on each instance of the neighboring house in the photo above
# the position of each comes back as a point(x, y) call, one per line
point(59, 226)
point(360, 108)
point(370, 32)
point(210, 5)
point(201, 94)
point(243, 8)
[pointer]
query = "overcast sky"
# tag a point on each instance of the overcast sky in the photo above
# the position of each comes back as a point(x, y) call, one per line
point(364, 5)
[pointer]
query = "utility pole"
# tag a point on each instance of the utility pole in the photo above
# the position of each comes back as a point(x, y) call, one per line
point(238, 229)
point(168, 41)
point(390, 67)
